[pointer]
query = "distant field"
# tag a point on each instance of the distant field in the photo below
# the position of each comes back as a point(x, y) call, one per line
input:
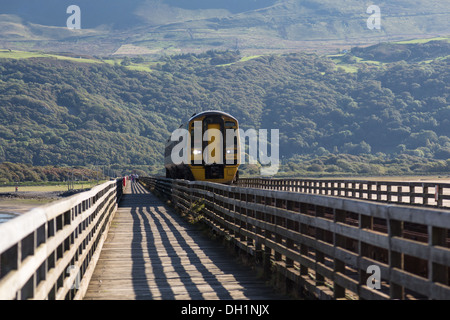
point(19, 54)
point(35, 189)
point(6, 54)
point(139, 67)
point(30, 197)
point(14, 54)
point(250, 57)
point(347, 68)
point(423, 40)
point(47, 188)
point(350, 63)
point(243, 59)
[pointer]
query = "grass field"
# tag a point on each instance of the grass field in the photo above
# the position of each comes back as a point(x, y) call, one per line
point(6, 54)
point(243, 59)
point(139, 67)
point(14, 54)
point(48, 188)
point(352, 67)
point(250, 58)
point(413, 41)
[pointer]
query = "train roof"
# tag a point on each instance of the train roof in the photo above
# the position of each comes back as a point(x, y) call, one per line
point(209, 113)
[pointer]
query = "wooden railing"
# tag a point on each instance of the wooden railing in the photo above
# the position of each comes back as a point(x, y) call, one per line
point(413, 193)
point(51, 251)
point(328, 245)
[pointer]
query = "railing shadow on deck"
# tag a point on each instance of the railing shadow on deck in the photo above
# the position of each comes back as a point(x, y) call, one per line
point(171, 255)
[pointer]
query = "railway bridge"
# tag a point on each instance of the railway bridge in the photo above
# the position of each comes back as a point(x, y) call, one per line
point(325, 239)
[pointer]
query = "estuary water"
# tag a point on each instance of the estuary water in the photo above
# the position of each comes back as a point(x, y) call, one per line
point(5, 216)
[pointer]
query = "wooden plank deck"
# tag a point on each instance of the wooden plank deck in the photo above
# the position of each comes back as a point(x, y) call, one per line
point(152, 253)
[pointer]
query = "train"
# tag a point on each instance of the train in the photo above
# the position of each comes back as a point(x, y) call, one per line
point(205, 148)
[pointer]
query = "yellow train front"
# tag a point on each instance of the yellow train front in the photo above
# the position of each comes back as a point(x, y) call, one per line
point(206, 148)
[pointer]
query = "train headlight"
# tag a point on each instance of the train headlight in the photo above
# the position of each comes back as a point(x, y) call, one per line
point(229, 151)
point(197, 151)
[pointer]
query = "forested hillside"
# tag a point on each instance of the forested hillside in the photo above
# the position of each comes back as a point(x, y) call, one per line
point(386, 118)
point(14, 172)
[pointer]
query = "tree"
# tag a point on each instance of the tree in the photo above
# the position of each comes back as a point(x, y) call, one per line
point(126, 61)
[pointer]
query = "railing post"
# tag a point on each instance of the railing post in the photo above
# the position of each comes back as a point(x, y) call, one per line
point(278, 221)
point(396, 259)
point(369, 190)
point(399, 194)
point(437, 272)
point(365, 222)
point(339, 265)
point(258, 231)
point(439, 193)
point(424, 194)
point(412, 197)
point(267, 249)
point(389, 192)
point(379, 195)
point(361, 190)
point(320, 257)
point(289, 242)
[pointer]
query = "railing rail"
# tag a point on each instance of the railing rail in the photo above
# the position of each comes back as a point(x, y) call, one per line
point(51, 251)
point(326, 244)
point(433, 194)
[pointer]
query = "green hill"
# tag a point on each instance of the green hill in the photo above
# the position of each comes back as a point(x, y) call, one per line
point(386, 118)
point(407, 51)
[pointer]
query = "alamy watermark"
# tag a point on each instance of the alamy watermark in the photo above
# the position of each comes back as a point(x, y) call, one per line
point(374, 280)
point(258, 147)
point(74, 270)
point(74, 21)
point(374, 21)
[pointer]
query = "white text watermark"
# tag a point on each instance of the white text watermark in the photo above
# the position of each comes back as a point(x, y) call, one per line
point(374, 280)
point(374, 21)
point(74, 21)
point(193, 151)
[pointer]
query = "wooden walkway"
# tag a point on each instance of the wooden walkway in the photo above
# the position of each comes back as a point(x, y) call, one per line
point(152, 253)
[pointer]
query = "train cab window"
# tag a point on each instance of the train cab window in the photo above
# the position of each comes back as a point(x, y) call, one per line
point(196, 137)
point(230, 124)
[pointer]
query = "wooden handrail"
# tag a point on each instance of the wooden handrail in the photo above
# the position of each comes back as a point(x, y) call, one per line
point(433, 194)
point(41, 249)
point(326, 244)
